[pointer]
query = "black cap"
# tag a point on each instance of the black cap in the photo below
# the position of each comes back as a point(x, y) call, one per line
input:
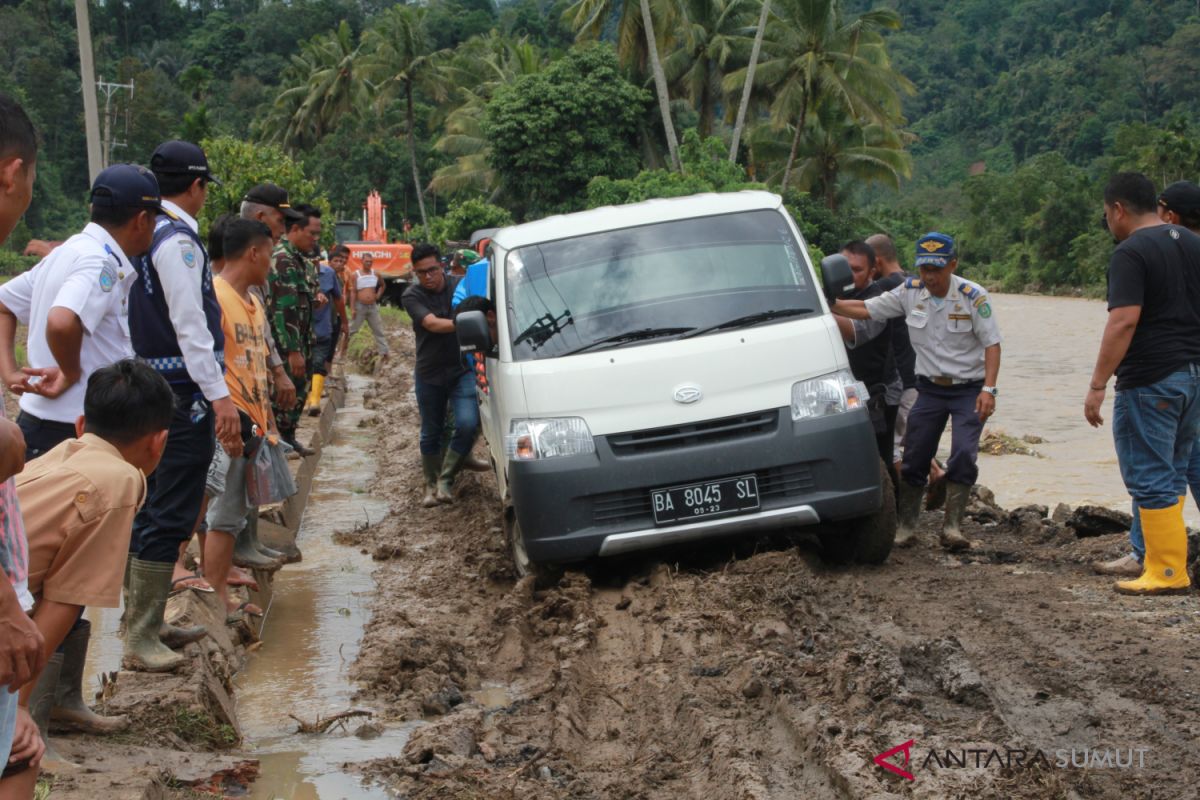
point(268, 194)
point(177, 157)
point(1180, 197)
point(125, 186)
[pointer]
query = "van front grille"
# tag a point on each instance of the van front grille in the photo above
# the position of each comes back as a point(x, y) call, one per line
point(707, 432)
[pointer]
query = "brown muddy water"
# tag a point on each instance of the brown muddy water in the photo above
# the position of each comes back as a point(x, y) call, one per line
point(311, 636)
point(1049, 350)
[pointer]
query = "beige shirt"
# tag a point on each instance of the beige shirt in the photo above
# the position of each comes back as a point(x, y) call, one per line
point(79, 501)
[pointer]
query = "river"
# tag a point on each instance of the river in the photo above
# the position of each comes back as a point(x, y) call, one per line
point(1049, 350)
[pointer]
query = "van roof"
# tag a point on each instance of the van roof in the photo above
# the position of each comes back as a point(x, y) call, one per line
point(609, 218)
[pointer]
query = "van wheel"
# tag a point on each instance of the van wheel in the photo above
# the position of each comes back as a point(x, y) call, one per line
point(543, 574)
point(865, 539)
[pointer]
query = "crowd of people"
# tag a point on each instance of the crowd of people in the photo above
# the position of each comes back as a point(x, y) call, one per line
point(165, 380)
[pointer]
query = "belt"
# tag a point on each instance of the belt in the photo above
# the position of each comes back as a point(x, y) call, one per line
point(38, 422)
point(175, 363)
point(942, 380)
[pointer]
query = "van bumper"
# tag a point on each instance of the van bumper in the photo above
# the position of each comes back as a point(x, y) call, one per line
point(578, 507)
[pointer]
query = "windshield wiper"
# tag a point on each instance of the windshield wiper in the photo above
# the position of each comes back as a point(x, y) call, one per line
point(629, 336)
point(749, 319)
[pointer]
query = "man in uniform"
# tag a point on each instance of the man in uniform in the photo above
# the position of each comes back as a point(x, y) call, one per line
point(1151, 343)
point(957, 344)
point(175, 325)
point(292, 298)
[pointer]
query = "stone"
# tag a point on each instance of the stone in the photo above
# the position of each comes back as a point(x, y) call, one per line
point(1098, 521)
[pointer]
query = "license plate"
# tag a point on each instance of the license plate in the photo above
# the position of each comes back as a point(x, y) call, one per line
point(703, 500)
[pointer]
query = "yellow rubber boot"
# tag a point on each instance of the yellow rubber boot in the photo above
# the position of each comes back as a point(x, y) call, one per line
point(313, 404)
point(1165, 568)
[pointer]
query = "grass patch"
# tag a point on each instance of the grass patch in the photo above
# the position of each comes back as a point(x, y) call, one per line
point(200, 728)
point(42, 790)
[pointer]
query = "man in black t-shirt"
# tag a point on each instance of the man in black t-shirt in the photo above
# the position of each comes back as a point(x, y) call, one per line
point(441, 378)
point(870, 351)
point(1152, 344)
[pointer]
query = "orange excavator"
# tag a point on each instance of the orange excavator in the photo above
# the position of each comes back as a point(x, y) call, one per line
point(393, 261)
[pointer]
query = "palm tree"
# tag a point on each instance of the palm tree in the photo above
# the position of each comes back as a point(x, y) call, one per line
point(635, 21)
point(481, 66)
point(323, 83)
point(711, 32)
point(399, 62)
point(835, 146)
point(749, 82)
point(813, 54)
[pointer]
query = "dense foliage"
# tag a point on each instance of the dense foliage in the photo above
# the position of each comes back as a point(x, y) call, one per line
point(996, 122)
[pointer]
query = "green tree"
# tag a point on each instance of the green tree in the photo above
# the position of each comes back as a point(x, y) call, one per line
point(241, 165)
point(711, 32)
point(554, 131)
point(469, 216)
point(815, 53)
point(637, 44)
point(705, 169)
point(401, 61)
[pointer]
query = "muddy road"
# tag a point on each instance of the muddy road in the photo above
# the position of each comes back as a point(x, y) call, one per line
point(753, 669)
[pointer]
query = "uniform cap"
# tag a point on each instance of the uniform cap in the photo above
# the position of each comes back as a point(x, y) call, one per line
point(268, 194)
point(178, 157)
point(935, 250)
point(126, 186)
point(1180, 197)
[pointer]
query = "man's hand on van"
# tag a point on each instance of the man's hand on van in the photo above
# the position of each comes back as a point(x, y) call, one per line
point(854, 309)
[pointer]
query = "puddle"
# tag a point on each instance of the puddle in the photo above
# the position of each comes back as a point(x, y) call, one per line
point(492, 696)
point(312, 637)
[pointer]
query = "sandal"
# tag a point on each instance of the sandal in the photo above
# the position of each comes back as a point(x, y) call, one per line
point(246, 609)
point(180, 585)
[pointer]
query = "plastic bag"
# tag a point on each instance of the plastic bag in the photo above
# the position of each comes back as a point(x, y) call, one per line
point(268, 479)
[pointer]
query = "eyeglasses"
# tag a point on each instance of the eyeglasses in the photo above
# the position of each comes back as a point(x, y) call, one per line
point(427, 270)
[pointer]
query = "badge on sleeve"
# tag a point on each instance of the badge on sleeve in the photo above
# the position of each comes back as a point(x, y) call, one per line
point(108, 277)
point(985, 310)
point(188, 250)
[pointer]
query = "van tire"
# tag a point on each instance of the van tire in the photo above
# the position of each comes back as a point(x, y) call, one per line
point(868, 539)
point(544, 575)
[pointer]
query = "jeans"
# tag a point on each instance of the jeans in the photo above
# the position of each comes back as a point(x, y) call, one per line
point(432, 402)
point(8, 723)
point(43, 435)
point(369, 313)
point(1154, 428)
point(1137, 543)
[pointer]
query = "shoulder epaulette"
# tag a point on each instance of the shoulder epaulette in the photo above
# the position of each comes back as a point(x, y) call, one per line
point(970, 291)
point(913, 283)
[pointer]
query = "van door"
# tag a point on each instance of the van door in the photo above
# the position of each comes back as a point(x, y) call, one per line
point(494, 438)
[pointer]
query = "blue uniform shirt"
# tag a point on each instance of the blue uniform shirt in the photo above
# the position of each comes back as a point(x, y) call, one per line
point(323, 316)
point(473, 284)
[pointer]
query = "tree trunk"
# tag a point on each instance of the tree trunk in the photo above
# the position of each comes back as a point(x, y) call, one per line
point(412, 155)
point(660, 86)
point(787, 170)
point(745, 104)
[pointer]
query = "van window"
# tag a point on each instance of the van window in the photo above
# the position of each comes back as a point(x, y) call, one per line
point(638, 285)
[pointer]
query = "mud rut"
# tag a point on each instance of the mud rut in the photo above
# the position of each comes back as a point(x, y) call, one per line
point(754, 670)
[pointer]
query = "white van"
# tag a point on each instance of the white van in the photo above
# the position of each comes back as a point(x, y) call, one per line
point(669, 371)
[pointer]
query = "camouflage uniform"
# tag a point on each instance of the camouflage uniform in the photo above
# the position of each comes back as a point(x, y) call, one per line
point(292, 295)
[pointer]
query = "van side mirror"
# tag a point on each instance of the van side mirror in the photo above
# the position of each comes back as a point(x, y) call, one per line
point(471, 327)
point(836, 276)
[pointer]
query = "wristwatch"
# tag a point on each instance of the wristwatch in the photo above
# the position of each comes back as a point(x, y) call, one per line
point(992, 390)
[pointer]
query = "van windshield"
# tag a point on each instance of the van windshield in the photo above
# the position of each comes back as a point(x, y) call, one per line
point(639, 285)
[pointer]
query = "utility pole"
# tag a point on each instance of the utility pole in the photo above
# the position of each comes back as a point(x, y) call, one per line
point(109, 90)
point(87, 74)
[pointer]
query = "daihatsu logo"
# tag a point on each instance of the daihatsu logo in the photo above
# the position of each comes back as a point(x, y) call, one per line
point(688, 394)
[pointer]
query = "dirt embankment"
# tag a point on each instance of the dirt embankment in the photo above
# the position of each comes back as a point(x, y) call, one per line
point(752, 669)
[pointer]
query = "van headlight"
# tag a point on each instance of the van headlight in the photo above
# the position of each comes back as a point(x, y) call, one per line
point(827, 394)
point(530, 439)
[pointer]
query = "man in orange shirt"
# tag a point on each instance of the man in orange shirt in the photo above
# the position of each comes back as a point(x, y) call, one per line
point(248, 246)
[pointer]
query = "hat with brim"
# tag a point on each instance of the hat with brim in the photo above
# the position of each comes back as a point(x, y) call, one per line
point(178, 157)
point(1181, 197)
point(935, 250)
point(269, 194)
point(126, 186)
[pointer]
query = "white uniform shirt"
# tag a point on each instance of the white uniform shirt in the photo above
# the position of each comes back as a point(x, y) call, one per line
point(89, 275)
point(179, 265)
point(949, 337)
